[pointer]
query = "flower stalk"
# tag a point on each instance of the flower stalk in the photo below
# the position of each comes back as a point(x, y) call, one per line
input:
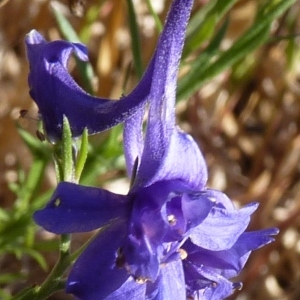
point(69, 167)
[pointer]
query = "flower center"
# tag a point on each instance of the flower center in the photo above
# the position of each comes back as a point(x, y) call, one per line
point(183, 254)
point(172, 219)
point(141, 280)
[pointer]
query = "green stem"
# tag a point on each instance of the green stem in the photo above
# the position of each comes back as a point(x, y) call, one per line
point(54, 281)
point(65, 168)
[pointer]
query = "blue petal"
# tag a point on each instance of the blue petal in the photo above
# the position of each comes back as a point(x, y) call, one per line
point(149, 226)
point(75, 208)
point(141, 259)
point(204, 283)
point(174, 160)
point(133, 140)
point(195, 208)
point(229, 263)
point(169, 285)
point(221, 229)
point(129, 290)
point(220, 288)
point(34, 38)
point(220, 199)
point(95, 274)
point(167, 151)
point(238, 255)
point(57, 94)
point(151, 207)
point(166, 209)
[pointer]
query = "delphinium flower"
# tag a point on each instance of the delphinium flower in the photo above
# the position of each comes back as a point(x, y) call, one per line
point(57, 94)
point(170, 237)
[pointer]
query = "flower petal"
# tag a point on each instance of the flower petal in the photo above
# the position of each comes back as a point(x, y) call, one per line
point(176, 162)
point(203, 283)
point(95, 274)
point(58, 94)
point(76, 208)
point(141, 259)
point(169, 285)
point(157, 161)
point(149, 226)
point(229, 263)
point(129, 290)
point(220, 287)
point(162, 211)
point(237, 256)
point(195, 208)
point(133, 140)
point(221, 229)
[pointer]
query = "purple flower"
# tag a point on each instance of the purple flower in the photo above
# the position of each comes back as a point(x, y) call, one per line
point(170, 237)
point(57, 94)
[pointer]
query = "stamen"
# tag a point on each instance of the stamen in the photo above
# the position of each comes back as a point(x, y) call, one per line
point(172, 220)
point(183, 254)
point(140, 280)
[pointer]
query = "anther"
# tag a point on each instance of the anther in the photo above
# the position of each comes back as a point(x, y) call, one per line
point(140, 280)
point(172, 220)
point(183, 254)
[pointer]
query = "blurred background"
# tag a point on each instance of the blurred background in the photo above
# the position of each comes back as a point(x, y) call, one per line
point(240, 101)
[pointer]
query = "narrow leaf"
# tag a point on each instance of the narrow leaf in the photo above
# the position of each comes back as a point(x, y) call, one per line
point(67, 153)
point(135, 39)
point(82, 155)
point(158, 23)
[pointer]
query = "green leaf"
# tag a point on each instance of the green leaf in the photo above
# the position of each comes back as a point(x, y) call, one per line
point(4, 216)
point(210, 64)
point(82, 155)
point(4, 295)
point(27, 186)
point(10, 277)
point(46, 245)
point(158, 23)
point(35, 146)
point(113, 146)
point(204, 68)
point(203, 24)
point(36, 256)
point(41, 200)
point(32, 185)
point(13, 231)
point(135, 40)
point(67, 151)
